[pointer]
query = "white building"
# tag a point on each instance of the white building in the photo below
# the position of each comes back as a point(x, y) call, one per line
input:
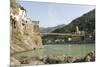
point(18, 14)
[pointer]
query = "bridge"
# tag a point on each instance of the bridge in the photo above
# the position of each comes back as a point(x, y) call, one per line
point(63, 34)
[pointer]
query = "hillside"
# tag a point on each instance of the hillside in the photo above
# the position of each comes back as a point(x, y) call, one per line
point(86, 23)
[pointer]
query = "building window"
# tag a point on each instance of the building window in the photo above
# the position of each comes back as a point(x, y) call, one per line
point(23, 24)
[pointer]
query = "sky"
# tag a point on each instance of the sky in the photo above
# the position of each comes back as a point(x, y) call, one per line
point(53, 14)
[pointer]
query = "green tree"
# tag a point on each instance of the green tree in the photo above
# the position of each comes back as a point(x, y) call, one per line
point(13, 4)
point(86, 23)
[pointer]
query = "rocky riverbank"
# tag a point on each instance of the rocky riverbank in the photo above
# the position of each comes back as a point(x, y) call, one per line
point(90, 57)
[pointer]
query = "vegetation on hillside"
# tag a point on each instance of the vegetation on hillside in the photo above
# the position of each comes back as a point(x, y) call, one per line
point(85, 23)
point(13, 4)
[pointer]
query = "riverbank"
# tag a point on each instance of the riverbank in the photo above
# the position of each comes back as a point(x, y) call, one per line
point(56, 54)
point(90, 57)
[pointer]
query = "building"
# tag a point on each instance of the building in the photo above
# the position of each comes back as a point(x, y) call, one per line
point(25, 33)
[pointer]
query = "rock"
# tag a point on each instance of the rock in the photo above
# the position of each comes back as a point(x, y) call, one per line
point(77, 60)
point(69, 59)
point(14, 62)
point(57, 59)
point(25, 33)
point(54, 59)
point(90, 57)
point(36, 62)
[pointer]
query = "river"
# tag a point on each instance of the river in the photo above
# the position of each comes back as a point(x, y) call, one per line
point(76, 50)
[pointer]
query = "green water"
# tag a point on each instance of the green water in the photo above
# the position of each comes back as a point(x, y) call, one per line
point(76, 50)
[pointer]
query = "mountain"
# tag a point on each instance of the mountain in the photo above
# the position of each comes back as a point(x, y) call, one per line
point(86, 23)
point(50, 29)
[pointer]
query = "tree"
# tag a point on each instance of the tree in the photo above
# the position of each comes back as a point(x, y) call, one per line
point(13, 4)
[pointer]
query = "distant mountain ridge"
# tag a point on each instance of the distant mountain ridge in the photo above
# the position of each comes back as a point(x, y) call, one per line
point(50, 29)
point(86, 23)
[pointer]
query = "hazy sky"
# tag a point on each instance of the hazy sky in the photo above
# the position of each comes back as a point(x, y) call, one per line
point(53, 14)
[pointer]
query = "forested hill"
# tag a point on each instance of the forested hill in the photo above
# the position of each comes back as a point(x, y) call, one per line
point(86, 23)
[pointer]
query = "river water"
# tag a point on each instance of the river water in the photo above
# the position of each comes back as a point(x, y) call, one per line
point(76, 50)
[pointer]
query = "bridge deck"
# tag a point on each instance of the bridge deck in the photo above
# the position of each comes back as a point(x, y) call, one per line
point(63, 34)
